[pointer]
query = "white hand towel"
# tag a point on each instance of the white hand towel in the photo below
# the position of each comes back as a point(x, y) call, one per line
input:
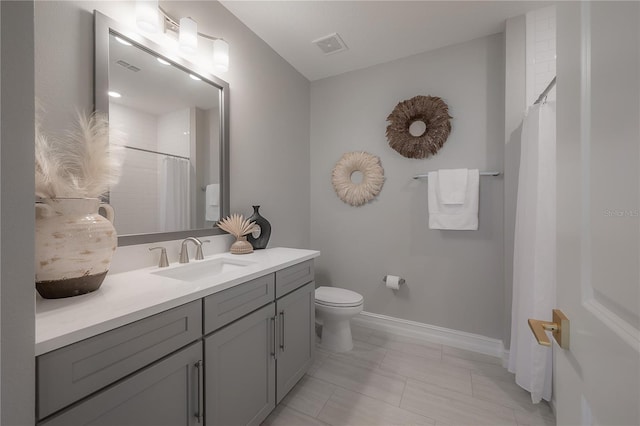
point(454, 216)
point(212, 202)
point(453, 185)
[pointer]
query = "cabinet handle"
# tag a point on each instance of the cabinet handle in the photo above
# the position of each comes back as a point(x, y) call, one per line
point(282, 331)
point(273, 337)
point(198, 414)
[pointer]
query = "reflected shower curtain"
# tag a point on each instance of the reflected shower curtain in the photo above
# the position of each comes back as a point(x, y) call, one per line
point(534, 258)
point(175, 202)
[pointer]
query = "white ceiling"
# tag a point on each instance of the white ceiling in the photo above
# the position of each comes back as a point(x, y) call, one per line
point(375, 31)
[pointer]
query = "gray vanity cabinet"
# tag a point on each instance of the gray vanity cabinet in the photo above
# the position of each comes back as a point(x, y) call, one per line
point(167, 393)
point(296, 343)
point(74, 372)
point(240, 370)
point(254, 361)
point(224, 360)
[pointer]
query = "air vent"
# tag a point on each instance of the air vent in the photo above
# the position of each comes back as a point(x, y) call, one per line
point(128, 66)
point(330, 44)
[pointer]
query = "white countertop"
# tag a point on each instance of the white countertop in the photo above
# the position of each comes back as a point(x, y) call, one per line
point(130, 296)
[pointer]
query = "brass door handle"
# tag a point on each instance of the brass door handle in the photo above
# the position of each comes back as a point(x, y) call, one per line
point(559, 328)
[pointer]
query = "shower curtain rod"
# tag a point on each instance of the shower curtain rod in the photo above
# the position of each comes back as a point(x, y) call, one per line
point(156, 152)
point(545, 92)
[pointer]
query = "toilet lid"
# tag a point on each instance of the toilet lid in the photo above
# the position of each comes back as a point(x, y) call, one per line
point(333, 296)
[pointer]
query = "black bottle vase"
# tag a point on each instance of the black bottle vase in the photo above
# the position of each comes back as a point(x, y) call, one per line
point(259, 238)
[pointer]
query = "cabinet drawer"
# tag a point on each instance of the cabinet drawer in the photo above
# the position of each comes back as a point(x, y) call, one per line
point(75, 371)
point(165, 393)
point(293, 277)
point(222, 308)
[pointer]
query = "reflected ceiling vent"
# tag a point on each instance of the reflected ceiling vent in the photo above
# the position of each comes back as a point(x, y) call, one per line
point(330, 44)
point(128, 66)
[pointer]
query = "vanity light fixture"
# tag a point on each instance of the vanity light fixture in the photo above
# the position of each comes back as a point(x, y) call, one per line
point(187, 30)
point(147, 17)
point(188, 36)
point(221, 55)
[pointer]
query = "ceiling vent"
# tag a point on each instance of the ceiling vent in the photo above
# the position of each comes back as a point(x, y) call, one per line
point(128, 66)
point(330, 44)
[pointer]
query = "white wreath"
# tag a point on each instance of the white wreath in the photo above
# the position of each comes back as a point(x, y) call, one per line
point(357, 194)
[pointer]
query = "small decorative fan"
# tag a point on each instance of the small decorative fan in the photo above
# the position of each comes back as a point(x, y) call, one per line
point(239, 227)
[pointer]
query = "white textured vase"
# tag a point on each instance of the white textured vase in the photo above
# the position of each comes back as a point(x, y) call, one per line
point(74, 246)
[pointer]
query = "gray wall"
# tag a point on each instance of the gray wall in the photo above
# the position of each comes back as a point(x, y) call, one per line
point(269, 103)
point(17, 329)
point(515, 104)
point(455, 279)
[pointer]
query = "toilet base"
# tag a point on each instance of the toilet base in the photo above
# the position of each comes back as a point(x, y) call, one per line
point(336, 336)
point(334, 308)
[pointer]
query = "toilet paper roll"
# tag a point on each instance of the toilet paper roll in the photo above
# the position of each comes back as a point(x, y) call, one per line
point(393, 282)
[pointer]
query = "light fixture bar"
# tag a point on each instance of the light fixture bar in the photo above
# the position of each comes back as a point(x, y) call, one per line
point(188, 39)
point(173, 25)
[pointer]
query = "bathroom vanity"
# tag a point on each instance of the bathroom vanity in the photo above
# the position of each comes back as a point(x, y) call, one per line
point(218, 341)
point(170, 346)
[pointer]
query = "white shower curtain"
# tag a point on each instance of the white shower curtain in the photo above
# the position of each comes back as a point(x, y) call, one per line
point(175, 202)
point(534, 259)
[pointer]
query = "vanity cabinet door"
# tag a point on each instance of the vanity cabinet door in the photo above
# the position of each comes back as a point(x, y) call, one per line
point(240, 370)
point(167, 393)
point(295, 338)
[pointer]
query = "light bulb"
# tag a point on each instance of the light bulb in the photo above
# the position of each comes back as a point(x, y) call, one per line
point(147, 17)
point(123, 41)
point(114, 94)
point(221, 55)
point(188, 38)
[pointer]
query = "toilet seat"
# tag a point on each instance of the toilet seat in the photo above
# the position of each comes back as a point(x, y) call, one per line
point(338, 297)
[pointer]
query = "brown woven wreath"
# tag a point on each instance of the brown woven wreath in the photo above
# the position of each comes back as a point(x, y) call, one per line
point(433, 112)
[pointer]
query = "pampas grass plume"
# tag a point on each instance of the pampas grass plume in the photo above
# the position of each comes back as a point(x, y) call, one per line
point(84, 163)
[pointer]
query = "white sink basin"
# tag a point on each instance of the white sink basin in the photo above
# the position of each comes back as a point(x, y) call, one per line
point(200, 269)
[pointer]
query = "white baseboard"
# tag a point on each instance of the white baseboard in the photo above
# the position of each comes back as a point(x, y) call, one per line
point(505, 357)
point(552, 404)
point(431, 333)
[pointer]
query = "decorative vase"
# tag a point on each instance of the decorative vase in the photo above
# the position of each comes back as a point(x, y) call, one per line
point(260, 237)
point(241, 246)
point(74, 246)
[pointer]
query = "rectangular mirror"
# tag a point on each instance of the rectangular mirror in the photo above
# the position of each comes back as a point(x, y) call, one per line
point(174, 118)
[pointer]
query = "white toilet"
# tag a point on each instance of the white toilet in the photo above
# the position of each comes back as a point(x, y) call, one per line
point(334, 308)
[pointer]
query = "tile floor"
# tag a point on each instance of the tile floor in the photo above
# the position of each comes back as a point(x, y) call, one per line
point(393, 380)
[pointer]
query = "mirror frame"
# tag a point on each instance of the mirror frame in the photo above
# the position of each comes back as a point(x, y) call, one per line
point(103, 26)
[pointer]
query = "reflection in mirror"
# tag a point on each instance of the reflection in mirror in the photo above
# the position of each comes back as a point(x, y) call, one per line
point(170, 179)
point(174, 179)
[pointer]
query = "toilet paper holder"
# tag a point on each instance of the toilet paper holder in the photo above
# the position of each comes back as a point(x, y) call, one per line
point(402, 281)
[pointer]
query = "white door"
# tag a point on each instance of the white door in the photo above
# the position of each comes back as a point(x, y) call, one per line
point(597, 381)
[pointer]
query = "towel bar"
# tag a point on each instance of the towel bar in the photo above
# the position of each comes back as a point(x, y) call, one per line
point(426, 175)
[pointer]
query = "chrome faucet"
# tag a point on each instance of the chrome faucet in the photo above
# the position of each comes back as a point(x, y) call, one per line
point(164, 262)
point(184, 253)
point(199, 254)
